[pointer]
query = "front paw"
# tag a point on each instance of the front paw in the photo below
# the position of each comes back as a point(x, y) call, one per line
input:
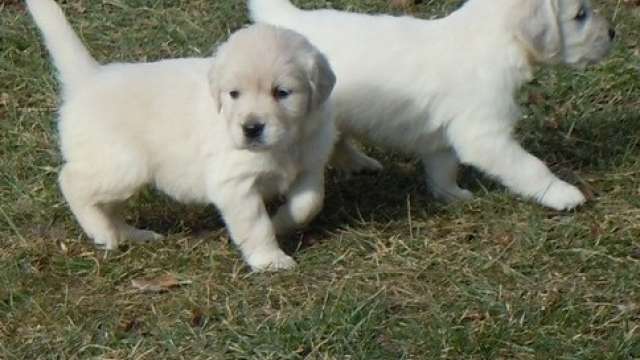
point(106, 242)
point(273, 260)
point(562, 196)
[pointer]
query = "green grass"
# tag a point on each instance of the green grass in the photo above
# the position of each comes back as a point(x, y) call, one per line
point(385, 271)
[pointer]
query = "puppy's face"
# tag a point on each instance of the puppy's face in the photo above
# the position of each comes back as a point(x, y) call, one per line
point(566, 31)
point(587, 36)
point(266, 81)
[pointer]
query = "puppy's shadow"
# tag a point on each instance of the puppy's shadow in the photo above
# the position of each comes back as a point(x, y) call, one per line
point(383, 197)
point(380, 198)
point(597, 143)
point(155, 211)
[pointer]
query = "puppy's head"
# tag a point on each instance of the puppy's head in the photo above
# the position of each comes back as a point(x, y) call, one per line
point(562, 31)
point(266, 81)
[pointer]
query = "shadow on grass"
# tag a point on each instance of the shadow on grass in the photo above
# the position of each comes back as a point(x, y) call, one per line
point(602, 142)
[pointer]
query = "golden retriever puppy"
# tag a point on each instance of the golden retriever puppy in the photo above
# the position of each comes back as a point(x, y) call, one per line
point(444, 89)
point(250, 124)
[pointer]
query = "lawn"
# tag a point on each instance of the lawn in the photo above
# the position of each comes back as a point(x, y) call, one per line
point(385, 272)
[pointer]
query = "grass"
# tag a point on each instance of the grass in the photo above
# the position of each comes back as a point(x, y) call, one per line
point(385, 272)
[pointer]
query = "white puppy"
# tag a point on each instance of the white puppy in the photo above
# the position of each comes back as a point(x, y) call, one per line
point(249, 124)
point(444, 89)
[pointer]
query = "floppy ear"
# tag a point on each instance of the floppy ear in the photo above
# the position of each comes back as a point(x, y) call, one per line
point(214, 87)
point(321, 79)
point(539, 29)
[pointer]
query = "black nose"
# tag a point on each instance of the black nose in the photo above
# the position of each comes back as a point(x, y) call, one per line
point(253, 130)
point(612, 33)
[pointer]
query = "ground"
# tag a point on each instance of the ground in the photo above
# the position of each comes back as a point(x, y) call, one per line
point(385, 272)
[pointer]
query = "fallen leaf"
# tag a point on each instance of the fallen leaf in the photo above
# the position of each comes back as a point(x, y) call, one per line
point(159, 284)
point(400, 3)
point(308, 240)
point(596, 230)
point(16, 4)
point(588, 190)
point(197, 318)
point(130, 325)
point(473, 316)
point(536, 98)
point(403, 3)
point(505, 240)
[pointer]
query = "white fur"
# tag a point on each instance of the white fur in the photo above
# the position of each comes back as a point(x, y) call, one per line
point(444, 89)
point(174, 124)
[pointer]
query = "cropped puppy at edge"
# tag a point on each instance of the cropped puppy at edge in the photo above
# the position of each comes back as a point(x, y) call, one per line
point(250, 124)
point(444, 89)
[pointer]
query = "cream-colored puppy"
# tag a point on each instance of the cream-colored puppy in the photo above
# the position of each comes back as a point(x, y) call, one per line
point(249, 124)
point(444, 89)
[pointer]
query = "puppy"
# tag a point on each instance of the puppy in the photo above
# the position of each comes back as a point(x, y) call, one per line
point(444, 89)
point(247, 125)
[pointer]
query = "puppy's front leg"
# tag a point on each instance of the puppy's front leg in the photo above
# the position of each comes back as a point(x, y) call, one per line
point(499, 155)
point(304, 201)
point(251, 229)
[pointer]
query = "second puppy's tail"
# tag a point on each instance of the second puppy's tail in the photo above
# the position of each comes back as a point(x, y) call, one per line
point(70, 56)
point(275, 12)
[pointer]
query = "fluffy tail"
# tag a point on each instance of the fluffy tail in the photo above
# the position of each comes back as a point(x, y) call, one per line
point(70, 56)
point(273, 12)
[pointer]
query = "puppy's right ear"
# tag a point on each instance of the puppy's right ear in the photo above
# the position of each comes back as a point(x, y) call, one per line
point(322, 79)
point(214, 85)
point(538, 29)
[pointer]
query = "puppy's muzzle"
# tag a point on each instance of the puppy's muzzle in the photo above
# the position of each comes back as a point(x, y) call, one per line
point(253, 130)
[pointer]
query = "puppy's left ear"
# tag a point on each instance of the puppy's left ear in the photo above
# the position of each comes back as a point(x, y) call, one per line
point(538, 29)
point(214, 87)
point(321, 79)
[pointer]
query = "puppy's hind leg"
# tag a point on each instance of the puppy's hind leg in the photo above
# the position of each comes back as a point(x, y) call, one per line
point(349, 160)
point(441, 169)
point(89, 207)
point(93, 193)
point(129, 232)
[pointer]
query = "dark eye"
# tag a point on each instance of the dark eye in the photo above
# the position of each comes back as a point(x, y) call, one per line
point(234, 94)
point(280, 93)
point(582, 14)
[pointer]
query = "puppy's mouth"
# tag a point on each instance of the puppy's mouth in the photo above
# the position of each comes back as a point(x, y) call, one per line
point(589, 61)
point(255, 145)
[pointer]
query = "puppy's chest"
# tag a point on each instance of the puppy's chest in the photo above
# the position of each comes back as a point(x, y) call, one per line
point(277, 177)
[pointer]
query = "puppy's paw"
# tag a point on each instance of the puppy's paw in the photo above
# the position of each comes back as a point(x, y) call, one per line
point(270, 261)
point(143, 236)
point(366, 164)
point(453, 195)
point(105, 243)
point(562, 196)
